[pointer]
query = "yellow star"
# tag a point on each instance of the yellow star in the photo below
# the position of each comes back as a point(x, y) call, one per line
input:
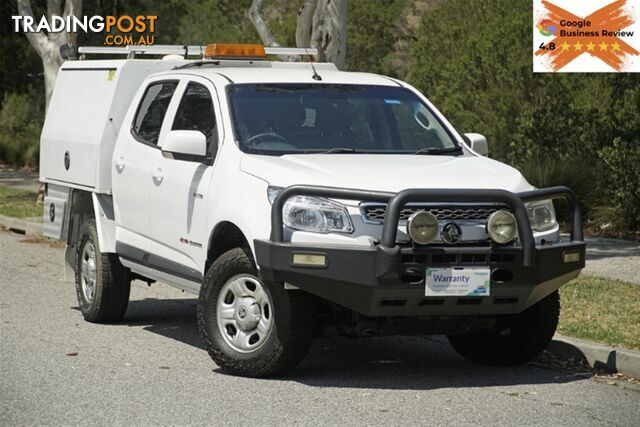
point(565, 46)
point(603, 46)
point(590, 46)
point(615, 46)
point(577, 46)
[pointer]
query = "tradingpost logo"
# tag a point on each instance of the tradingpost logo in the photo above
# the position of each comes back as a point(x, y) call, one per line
point(547, 27)
point(119, 30)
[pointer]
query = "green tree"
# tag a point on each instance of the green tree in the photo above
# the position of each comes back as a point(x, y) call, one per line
point(21, 67)
point(373, 32)
point(21, 118)
point(211, 21)
point(572, 129)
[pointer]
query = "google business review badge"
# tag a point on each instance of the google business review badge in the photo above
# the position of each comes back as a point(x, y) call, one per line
point(586, 36)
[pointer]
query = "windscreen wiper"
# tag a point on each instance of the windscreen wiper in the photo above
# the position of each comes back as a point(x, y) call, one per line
point(340, 150)
point(436, 151)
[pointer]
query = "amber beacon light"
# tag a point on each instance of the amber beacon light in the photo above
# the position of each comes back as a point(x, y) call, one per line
point(228, 50)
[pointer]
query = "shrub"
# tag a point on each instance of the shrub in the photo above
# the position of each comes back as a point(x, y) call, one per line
point(622, 169)
point(21, 118)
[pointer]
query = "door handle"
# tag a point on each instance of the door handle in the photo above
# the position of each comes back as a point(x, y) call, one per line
point(119, 164)
point(158, 176)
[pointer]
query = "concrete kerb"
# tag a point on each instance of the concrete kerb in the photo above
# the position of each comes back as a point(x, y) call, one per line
point(599, 356)
point(26, 226)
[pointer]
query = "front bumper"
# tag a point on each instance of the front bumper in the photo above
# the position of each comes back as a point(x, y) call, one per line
point(388, 280)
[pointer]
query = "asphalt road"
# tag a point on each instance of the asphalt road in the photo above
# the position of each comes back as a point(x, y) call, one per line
point(613, 258)
point(151, 370)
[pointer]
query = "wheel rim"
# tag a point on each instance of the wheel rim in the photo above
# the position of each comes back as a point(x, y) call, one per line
point(244, 313)
point(88, 271)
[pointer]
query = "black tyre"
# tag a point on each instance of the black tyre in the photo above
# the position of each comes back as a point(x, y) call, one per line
point(102, 283)
point(516, 339)
point(252, 328)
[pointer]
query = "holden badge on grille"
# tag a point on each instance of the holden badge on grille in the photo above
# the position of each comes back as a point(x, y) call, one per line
point(451, 233)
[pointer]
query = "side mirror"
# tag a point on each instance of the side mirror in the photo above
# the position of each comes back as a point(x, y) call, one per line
point(478, 143)
point(190, 142)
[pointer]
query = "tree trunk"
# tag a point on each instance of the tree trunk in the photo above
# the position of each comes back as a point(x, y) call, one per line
point(261, 27)
point(329, 33)
point(305, 23)
point(48, 45)
point(322, 24)
point(51, 62)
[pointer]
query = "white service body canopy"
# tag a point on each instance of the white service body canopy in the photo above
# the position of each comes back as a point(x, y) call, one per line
point(88, 104)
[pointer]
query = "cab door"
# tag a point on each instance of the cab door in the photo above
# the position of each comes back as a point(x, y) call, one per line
point(180, 184)
point(131, 168)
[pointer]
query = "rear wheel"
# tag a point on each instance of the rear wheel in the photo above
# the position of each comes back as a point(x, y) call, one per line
point(102, 283)
point(516, 339)
point(249, 327)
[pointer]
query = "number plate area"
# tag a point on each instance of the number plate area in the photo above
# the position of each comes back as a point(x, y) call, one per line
point(458, 281)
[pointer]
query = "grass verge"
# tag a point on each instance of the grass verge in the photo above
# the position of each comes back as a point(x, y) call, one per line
point(602, 310)
point(18, 203)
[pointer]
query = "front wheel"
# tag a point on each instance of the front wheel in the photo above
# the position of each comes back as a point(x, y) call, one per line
point(515, 339)
point(249, 327)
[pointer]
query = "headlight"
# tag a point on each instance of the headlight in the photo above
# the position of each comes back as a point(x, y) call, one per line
point(316, 214)
point(502, 227)
point(313, 214)
point(541, 214)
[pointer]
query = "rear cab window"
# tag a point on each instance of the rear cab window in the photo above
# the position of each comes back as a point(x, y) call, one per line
point(151, 112)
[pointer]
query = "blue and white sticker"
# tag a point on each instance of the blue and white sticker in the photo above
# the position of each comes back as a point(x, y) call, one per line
point(460, 281)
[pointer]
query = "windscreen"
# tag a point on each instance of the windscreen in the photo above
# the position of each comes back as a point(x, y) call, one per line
point(277, 119)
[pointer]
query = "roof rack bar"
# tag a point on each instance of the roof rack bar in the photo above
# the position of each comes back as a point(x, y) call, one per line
point(144, 50)
point(187, 50)
point(104, 50)
point(292, 51)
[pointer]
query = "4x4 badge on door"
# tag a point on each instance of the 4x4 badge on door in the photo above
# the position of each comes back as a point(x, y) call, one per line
point(451, 233)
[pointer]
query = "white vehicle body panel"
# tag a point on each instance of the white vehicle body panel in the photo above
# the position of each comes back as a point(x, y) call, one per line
point(105, 221)
point(391, 172)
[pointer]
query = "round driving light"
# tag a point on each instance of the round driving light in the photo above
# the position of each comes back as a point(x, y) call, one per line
point(423, 227)
point(502, 227)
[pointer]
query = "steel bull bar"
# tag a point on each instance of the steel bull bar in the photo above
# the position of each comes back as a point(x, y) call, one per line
point(354, 276)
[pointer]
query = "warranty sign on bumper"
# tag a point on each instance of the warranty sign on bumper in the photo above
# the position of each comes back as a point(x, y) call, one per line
point(457, 281)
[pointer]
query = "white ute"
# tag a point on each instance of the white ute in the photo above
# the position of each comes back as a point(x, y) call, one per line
point(296, 200)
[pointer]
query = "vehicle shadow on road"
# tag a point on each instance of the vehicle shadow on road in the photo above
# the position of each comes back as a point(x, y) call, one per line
point(407, 363)
point(171, 318)
point(410, 363)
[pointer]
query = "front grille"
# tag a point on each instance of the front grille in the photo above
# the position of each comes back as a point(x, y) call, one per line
point(377, 212)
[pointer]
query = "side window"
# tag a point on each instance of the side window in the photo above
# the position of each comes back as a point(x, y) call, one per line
point(195, 112)
point(151, 111)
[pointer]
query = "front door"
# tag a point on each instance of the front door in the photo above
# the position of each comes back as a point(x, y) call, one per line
point(180, 186)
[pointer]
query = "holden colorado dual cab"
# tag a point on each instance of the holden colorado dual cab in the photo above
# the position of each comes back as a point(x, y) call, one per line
point(295, 200)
